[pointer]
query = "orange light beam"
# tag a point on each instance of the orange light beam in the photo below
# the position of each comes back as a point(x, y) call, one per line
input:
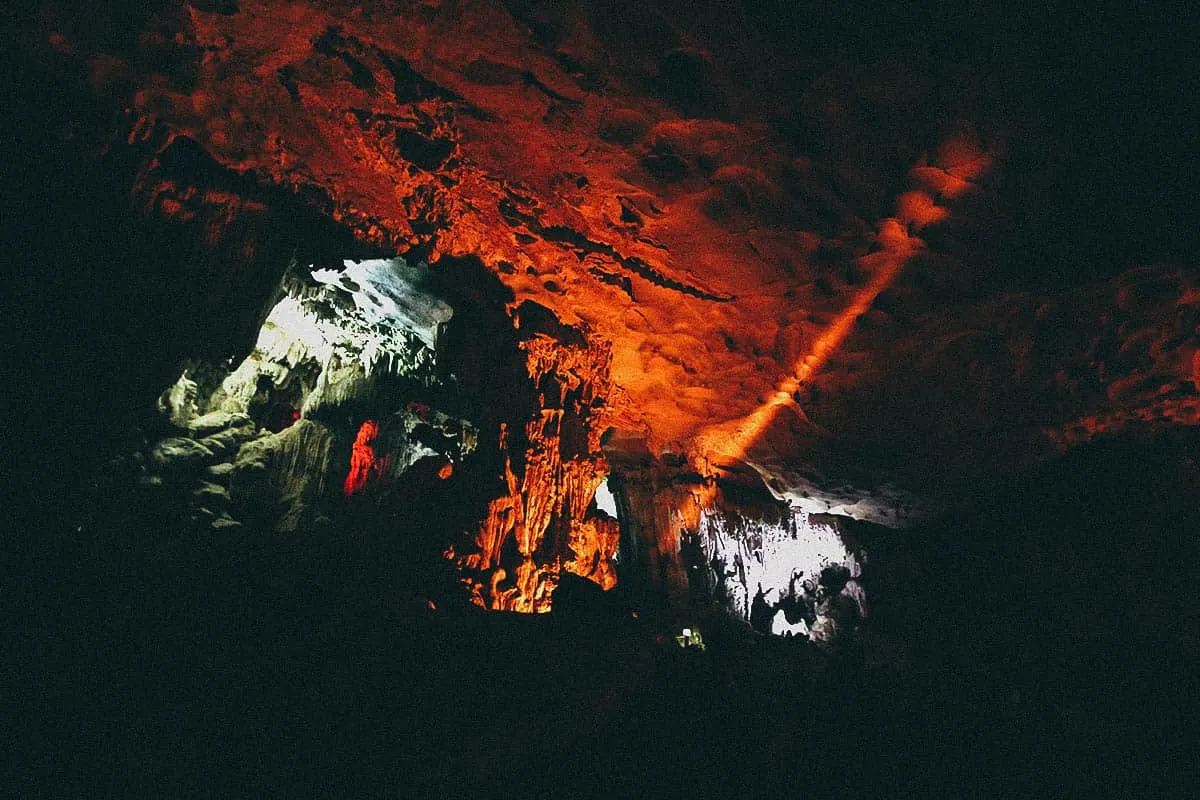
point(961, 162)
point(885, 266)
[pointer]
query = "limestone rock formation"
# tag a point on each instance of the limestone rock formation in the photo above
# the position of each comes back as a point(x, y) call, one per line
point(680, 227)
point(546, 521)
point(817, 273)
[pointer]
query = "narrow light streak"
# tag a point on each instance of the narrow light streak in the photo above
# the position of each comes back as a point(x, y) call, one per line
point(963, 162)
point(721, 444)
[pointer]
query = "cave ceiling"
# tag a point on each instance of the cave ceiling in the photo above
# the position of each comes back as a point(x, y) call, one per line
point(813, 264)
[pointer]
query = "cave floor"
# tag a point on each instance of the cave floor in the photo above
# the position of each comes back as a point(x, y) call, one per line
point(284, 666)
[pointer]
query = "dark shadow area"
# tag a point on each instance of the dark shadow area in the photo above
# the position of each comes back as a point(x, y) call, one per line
point(1040, 641)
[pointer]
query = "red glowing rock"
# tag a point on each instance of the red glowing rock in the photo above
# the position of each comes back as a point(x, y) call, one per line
point(365, 463)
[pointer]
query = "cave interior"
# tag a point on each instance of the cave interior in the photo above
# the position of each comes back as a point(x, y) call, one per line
point(601, 398)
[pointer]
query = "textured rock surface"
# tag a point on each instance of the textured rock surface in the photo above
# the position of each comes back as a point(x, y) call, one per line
point(546, 520)
point(739, 257)
point(761, 568)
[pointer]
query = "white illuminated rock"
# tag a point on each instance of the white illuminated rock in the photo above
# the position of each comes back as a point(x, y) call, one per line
point(372, 314)
point(784, 561)
point(781, 627)
point(605, 501)
point(387, 293)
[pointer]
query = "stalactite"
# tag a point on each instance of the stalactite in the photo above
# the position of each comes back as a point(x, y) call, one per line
point(545, 510)
point(594, 543)
point(542, 483)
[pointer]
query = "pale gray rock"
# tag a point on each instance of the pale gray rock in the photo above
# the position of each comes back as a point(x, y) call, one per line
point(217, 421)
point(180, 454)
point(179, 401)
point(227, 442)
point(225, 523)
point(219, 471)
point(211, 495)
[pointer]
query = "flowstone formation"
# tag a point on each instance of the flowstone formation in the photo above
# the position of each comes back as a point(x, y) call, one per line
point(548, 521)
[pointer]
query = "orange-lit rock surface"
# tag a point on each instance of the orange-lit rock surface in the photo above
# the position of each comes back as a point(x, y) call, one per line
point(814, 308)
point(664, 512)
point(544, 523)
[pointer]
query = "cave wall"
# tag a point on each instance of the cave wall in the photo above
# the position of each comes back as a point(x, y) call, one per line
point(841, 255)
point(712, 213)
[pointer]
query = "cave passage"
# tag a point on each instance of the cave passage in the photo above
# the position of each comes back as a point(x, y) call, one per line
point(576, 398)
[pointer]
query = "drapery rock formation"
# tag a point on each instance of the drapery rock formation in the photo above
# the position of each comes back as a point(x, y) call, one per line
point(546, 521)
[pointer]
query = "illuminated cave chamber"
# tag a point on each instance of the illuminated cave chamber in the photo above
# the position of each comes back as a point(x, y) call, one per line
point(727, 549)
point(271, 440)
point(422, 400)
point(387, 394)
